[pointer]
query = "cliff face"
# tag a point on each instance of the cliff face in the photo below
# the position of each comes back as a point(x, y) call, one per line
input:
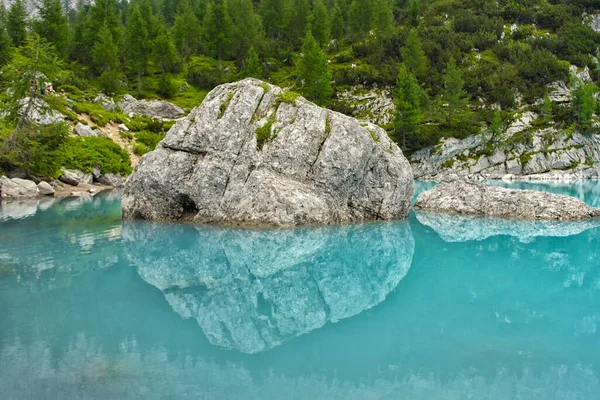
point(253, 154)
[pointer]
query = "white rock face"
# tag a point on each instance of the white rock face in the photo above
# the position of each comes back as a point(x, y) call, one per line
point(458, 196)
point(152, 108)
point(39, 112)
point(17, 188)
point(374, 105)
point(253, 289)
point(315, 166)
point(45, 189)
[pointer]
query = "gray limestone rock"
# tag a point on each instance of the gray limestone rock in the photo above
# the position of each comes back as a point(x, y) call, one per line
point(152, 108)
point(111, 179)
point(253, 289)
point(314, 166)
point(39, 112)
point(17, 188)
point(45, 189)
point(84, 130)
point(75, 177)
point(472, 198)
point(106, 102)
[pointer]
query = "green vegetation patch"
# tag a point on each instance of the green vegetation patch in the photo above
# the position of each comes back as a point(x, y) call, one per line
point(225, 105)
point(264, 134)
point(85, 153)
point(288, 97)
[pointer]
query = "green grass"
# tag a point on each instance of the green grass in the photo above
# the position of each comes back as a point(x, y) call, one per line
point(264, 133)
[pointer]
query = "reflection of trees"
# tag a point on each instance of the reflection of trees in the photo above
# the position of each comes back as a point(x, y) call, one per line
point(253, 289)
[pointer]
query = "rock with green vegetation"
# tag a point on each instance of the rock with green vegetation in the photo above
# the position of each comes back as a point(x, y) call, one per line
point(75, 177)
point(457, 196)
point(369, 104)
point(309, 166)
point(106, 102)
point(17, 188)
point(86, 131)
point(150, 108)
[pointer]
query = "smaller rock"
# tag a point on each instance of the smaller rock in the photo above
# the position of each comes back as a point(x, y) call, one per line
point(86, 131)
point(111, 179)
point(17, 188)
point(75, 177)
point(153, 108)
point(96, 173)
point(106, 102)
point(45, 189)
point(123, 128)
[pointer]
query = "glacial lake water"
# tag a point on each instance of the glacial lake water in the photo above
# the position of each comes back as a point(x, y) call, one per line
point(435, 307)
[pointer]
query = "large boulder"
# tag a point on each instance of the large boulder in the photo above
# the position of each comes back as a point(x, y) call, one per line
point(75, 177)
point(472, 198)
point(17, 188)
point(253, 154)
point(111, 179)
point(152, 108)
point(106, 102)
point(85, 131)
point(45, 189)
point(39, 112)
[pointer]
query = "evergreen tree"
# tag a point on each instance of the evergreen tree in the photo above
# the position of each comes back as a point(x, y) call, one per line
point(414, 13)
point(252, 67)
point(54, 26)
point(217, 30)
point(584, 103)
point(296, 29)
point(319, 23)
point(186, 30)
point(454, 93)
point(105, 54)
point(153, 25)
point(360, 16)
point(496, 125)
point(546, 110)
point(408, 105)
point(413, 55)
point(103, 13)
point(383, 19)
point(313, 72)
point(247, 28)
point(6, 47)
point(274, 15)
point(16, 23)
point(164, 53)
point(338, 23)
point(137, 43)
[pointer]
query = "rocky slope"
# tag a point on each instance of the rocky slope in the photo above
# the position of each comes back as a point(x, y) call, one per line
point(472, 198)
point(253, 154)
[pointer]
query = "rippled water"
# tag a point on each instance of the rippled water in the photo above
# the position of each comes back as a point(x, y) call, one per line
point(436, 307)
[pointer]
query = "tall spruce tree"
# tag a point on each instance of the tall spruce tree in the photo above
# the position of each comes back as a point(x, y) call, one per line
point(138, 44)
point(186, 30)
point(413, 55)
point(164, 52)
point(313, 72)
point(247, 28)
point(360, 17)
point(6, 46)
point(252, 67)
point(320, 25)
point(217, 32)
point(105, 55)
point(296, 29)
point(408, 106)
point(338, 24)
point(454, 93)
point(583, 102)
point(53, 26)
point(275, 15)
point(383, 19)
point(16, 23)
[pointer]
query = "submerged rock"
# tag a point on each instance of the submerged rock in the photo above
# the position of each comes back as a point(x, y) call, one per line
point(253, 154)
point(152, 108)
point(471, 198)
point(17, 188)
point(253, 289)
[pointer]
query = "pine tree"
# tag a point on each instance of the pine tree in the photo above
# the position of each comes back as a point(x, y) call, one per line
point(16, 23)
point(584, 103)
point(360, 17)
point(319, 23)
point(186, 30)
point(274, 15)
point(383, 19)
point(338, 23)
point(252, 67)
point(217, 30)
point(496, 125)
point(414, 13)
point(546, 110)
point(103, 13)
point(408, 105)
point(313, 72)
point(137, 43)
point(247, 28)
point(54, 26)
point(413, 55)
point(454, 93)
point(105, 54)
point(164, 53)
point(153, 24)
point(296, 29)
point(6, 47)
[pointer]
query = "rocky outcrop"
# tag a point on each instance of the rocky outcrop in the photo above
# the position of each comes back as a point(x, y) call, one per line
point(253, 154)
point(74, 177)
point(106, 102)
point(111, 179)
point(464, 228)
point(548, 154)
point(253, 289)
point(472, 198)
point(373, 105)
point(152, 108)
point(17, 188)
point(39, 112)
point(85, 131)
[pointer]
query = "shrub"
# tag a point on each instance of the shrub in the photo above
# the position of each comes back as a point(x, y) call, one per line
point(86, 152)
point(140, 149)
point(148, 139)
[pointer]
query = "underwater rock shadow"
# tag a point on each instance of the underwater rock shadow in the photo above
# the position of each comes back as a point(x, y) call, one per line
point(253, 289)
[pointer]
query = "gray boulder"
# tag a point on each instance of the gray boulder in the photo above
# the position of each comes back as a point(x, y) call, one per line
point(75, 177)
point(472, 198)
point(84, 130)
point(252, 155)
point(39, 112)
point(152, 108)
point(17, 188)
point(111, 179)
point(45, 189)
point(106, 102)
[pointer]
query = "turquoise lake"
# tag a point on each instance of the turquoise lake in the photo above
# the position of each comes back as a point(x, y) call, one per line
point(434, 307)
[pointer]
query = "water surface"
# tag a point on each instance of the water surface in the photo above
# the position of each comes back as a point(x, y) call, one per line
point(435, 307)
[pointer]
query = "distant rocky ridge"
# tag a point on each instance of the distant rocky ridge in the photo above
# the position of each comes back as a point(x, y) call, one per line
point(471, 198)
point(254, 154)
point(253, 289)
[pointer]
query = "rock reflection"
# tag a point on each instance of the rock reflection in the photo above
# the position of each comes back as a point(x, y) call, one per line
point(251, 290)
point(463, 228)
